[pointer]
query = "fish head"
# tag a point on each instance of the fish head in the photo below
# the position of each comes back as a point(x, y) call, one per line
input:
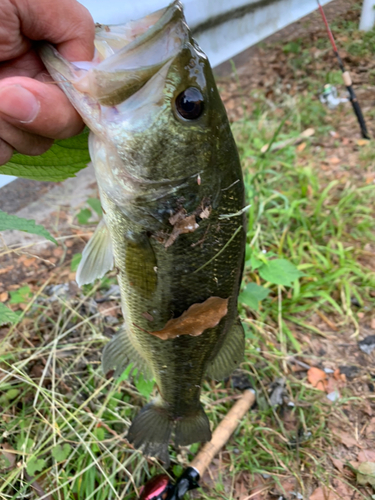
point(150, 99)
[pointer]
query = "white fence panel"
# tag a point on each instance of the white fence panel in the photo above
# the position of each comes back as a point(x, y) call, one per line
point(222, 28)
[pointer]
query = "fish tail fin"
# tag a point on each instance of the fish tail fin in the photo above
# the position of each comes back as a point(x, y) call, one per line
point(152, 428)
point(192, 428)
point(151, 431)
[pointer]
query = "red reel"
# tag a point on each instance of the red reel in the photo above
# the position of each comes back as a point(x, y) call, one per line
point(156, 488)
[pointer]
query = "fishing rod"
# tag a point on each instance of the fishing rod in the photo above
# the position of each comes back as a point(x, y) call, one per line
point(346, 78)
point(161, 488)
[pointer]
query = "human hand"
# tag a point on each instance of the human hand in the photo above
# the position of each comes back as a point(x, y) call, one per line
point(33, 111)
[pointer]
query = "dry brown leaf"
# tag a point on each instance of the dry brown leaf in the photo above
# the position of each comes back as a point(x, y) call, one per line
point(195, 320)
point(31, 261)
point(301, 147)
point(180, 215)
point(338, 464)
point(259, 486)
point(181, 226)
point(362, 142)
point(346, 438)
point(4, 296)
point(373, 323)
point(7, 457)
point(339, 491)
point(367, 408)
point(336, 382)
point(366, 456)
point(334, 160)
point(317, 378)
point(205, 213)
point(370, 429)
point(6, 269)
point(240, 491)
point(321, 493)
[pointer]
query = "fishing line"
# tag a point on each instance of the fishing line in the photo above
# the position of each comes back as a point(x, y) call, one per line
point(220, 251)
point(346, 78)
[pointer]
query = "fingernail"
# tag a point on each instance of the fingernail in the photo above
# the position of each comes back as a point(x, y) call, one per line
point(18, 103)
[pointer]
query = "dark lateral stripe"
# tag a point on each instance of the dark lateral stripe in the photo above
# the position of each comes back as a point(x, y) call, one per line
point(229, 15)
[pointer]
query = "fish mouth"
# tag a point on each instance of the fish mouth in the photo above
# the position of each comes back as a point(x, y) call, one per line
point(127, 56)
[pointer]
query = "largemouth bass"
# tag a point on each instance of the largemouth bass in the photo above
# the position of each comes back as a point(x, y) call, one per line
point(172, 193)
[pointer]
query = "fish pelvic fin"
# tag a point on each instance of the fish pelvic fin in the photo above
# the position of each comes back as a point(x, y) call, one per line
point(230, 355)
point(120, 352)
point(192, 429)
point(151, 430)
point(97, 256)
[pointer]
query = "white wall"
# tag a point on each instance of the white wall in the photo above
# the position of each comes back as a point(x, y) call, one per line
point(221, 42)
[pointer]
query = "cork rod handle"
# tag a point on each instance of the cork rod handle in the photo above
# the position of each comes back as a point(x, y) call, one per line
point(223, 432)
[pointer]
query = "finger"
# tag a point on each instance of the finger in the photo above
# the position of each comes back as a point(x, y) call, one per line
point(23, 142)
point(66, 23)
point(39, 108)
point(6, 152)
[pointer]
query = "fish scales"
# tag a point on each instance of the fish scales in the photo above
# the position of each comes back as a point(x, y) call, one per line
point(168, 173)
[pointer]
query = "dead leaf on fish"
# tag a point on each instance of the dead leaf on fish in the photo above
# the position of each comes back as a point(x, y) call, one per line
point(195, 320)
point(181, 226)
point(206, 212)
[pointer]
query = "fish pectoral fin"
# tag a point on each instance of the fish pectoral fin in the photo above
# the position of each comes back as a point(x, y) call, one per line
point(120, 352)
point(192, 429)
point(151, 431)
point(97, 256)
point(230, 354)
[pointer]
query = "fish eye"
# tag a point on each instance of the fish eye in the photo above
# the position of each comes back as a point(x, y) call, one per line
point(189, 104)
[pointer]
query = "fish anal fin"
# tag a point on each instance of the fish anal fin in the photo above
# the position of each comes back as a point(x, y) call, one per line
point(120, 352)
point(97, 256)
point(230, 355)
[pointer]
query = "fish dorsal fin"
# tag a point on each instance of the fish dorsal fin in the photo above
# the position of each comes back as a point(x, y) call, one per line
point(97, 257)
point(230, 355)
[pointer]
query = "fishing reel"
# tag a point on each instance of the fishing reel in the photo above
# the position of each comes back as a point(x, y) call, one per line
point(161, 488)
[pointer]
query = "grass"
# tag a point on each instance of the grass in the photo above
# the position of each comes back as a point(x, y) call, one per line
point(63, 423)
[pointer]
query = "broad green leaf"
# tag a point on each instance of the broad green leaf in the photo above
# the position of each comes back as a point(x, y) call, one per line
point(24, 444)
point(95, 205)
point(280, 272)
point(9, 396)
point(252, 295)
point(84, 216)
point(7, 315)
point(255, 263)
point(75, 261)
point(12, 394)
point(20, 296)
point(61, 452)
point(143, 386)
point(63, 160)
point(8, 221)
point(35, 465)
point(99, 433)
point(125, 374)
point(177, 470)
